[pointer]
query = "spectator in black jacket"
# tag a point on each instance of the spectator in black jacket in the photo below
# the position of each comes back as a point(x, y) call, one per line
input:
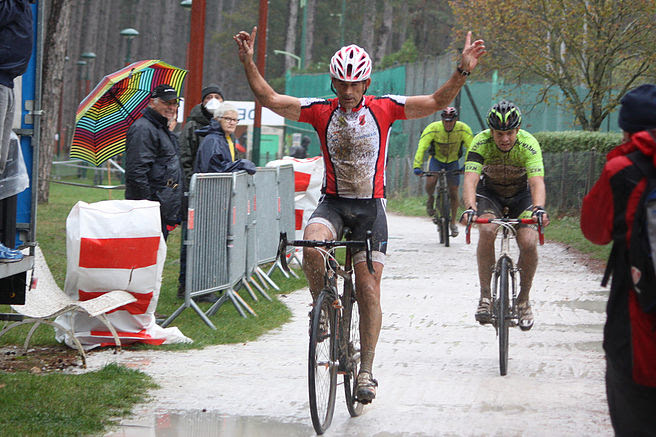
point(199, 117)
point(300, 152)
point(153, 170)
point(15, 52)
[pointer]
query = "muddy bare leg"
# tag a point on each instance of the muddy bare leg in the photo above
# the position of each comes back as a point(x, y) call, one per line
point(527, 240)
point(431, 181)
point(313, 262)
point(453, 199)
point(485, 256)
point(371, 316)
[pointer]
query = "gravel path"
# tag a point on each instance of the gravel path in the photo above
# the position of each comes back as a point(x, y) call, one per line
point(437, 368)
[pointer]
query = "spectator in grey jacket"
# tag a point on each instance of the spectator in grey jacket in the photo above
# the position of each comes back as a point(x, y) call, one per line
point(152, 157)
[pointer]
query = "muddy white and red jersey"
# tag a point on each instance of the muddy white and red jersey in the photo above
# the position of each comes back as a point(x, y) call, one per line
point(354, 143)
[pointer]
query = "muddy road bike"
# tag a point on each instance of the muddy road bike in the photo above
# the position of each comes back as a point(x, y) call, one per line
point(442, 215)
point(504, 279)
point(334, 330)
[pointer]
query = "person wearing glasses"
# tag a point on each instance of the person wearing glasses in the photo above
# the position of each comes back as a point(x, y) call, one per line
point(216, 153)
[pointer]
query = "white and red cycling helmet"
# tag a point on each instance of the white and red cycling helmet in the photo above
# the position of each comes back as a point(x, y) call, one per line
point(350, 64)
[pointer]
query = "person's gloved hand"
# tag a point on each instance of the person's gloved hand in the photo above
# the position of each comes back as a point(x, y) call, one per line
point(171, 227)
point(417, 171)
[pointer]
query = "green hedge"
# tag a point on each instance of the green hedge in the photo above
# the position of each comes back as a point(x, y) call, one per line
point(578, 141)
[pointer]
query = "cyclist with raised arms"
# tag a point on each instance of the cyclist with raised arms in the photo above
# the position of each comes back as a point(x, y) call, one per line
point(445, 141)
point(510, 162)
point(354, 129)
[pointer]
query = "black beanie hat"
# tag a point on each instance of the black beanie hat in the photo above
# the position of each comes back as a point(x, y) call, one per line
point(638, 111)
point(209, 89)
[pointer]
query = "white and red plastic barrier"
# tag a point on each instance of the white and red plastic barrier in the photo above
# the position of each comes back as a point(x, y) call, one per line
point(308, 178)
point(116, 245)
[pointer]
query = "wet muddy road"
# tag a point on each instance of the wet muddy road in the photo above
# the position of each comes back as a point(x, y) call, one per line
point(437, 368)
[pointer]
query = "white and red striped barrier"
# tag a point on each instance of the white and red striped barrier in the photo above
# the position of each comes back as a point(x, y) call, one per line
point(308, 178)
point(116, 245)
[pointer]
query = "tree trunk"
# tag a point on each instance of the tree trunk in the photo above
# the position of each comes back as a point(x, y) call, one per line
point(402, 30)
point(290, 42)
point(367, 35)
point(57, 30)
point(309, 34)
point(385, 32)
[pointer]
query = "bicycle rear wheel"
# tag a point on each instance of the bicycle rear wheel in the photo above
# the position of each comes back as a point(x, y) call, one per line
point(503, 313)
point(322, 369)
point(350, 359)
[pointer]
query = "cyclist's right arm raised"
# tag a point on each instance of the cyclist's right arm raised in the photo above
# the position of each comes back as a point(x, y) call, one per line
point(283, 105)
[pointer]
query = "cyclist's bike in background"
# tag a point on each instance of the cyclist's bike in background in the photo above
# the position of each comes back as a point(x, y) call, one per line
point(334, 330)
point(504, 279)
point(442, 216)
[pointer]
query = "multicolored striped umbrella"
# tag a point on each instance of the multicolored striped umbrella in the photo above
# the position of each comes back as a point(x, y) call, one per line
point(104, 116)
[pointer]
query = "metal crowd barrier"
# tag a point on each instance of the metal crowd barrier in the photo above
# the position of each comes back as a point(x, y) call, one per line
point(233, 225)
point(286, 212)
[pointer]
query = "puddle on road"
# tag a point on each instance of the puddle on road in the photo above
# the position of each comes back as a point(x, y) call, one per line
point(595, 306)
point(199, 423)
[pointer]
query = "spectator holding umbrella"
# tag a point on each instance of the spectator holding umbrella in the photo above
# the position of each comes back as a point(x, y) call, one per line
point(153, 170)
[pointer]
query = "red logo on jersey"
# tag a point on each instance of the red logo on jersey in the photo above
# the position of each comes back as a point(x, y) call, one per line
point(362, 120)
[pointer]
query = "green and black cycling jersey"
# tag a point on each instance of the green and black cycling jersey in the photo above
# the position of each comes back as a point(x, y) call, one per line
point(505, 173)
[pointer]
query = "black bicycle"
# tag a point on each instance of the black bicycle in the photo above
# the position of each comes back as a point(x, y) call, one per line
point(504, 284)
point(442, 215)
point(334, 330)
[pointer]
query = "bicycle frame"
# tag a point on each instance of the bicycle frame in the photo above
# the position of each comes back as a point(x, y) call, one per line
point(442, 216)
point(504, 314)
point(506, 227)
point(343, 350)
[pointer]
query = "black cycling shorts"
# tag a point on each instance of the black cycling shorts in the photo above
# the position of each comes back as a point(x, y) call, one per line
point(489, 202)
point(359, 215)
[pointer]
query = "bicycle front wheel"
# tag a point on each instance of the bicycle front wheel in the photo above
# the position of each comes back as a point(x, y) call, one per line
point(322, 369)
point(350, 337)
point(503, 313)
point(446, 219)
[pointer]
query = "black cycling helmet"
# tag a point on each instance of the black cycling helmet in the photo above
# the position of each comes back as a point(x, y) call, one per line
point(449, 113)
point(504, 115)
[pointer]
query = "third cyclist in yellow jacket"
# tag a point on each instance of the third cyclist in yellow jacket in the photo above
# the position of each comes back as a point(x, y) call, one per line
point(445, 141)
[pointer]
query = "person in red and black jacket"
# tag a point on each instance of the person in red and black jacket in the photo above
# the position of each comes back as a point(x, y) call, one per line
point(607, 214)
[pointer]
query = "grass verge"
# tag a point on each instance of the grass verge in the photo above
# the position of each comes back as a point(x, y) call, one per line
point(68, 405)
point(84, 404)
